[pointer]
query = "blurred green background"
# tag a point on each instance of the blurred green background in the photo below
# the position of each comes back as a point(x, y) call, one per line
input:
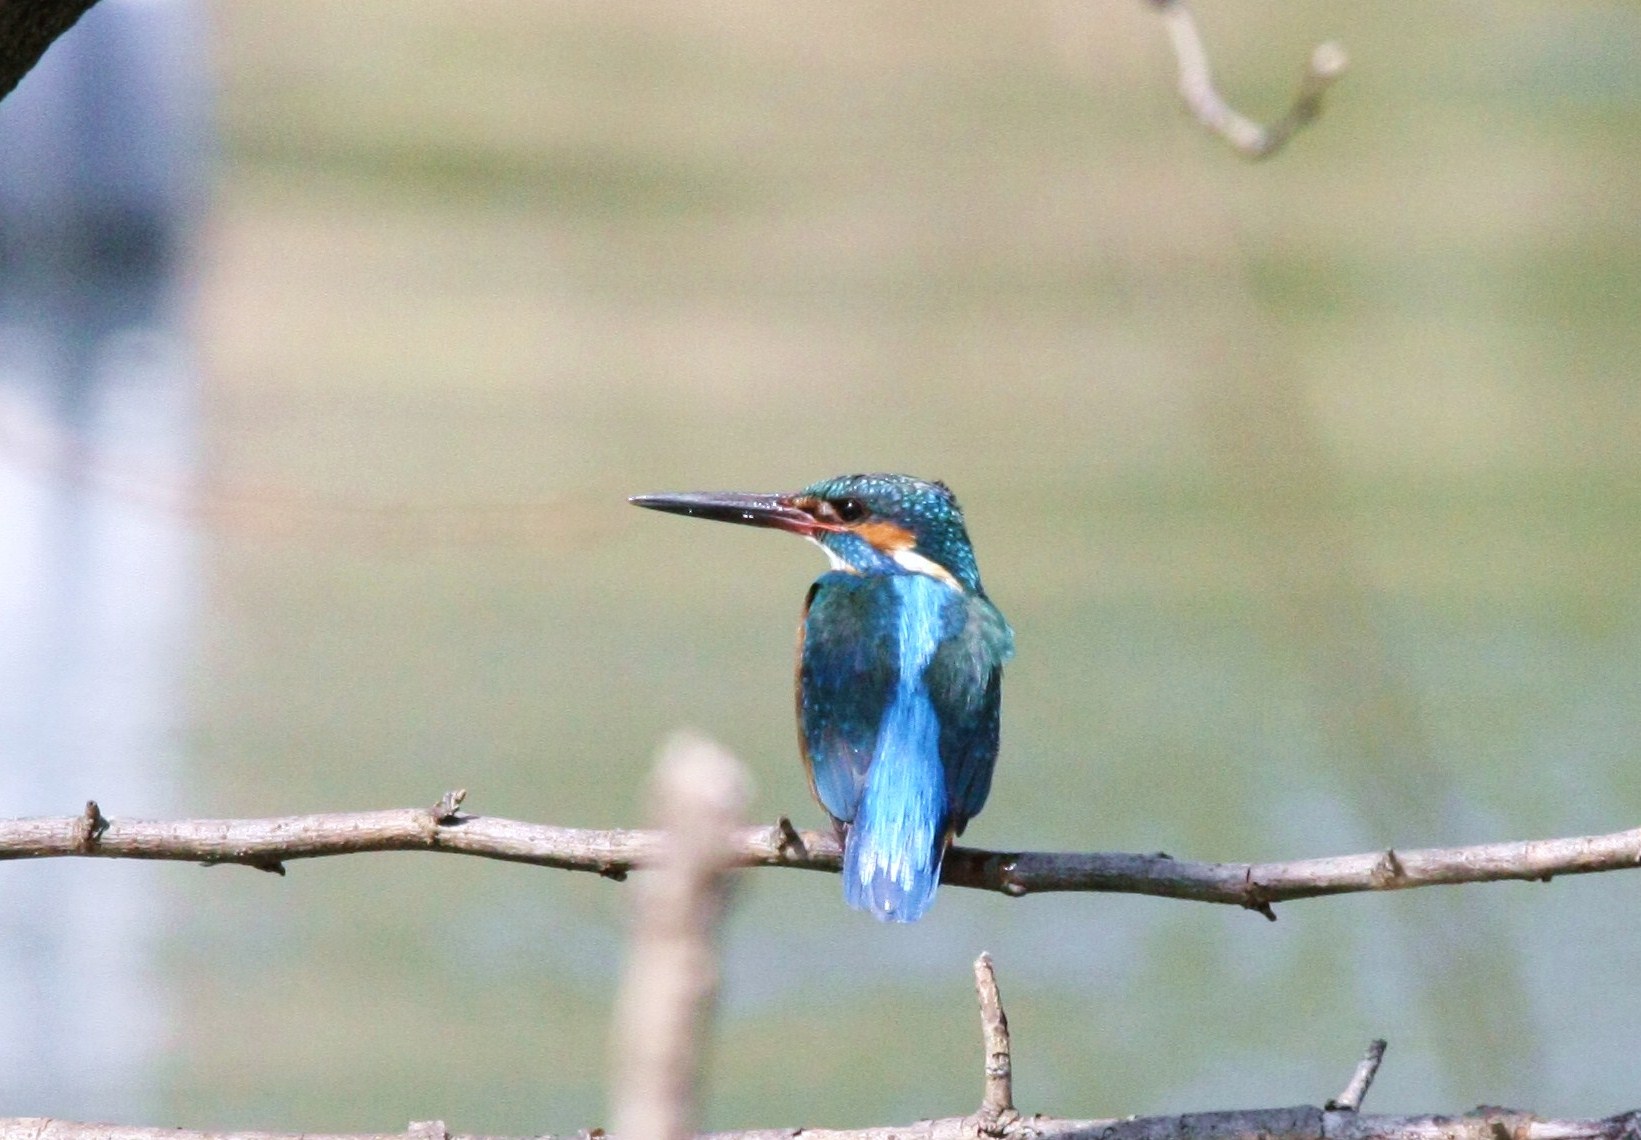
point(1311, 489)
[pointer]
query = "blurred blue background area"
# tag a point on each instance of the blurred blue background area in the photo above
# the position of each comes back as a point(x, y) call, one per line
point(102, 189)
point(1311, 489)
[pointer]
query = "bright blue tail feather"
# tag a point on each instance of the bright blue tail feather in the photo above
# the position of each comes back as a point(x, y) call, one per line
point(892, 855)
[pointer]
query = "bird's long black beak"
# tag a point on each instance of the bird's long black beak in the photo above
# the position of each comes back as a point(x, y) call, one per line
point(776, 511)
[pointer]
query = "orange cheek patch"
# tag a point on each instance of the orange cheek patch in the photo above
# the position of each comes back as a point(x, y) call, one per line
point(886, 536)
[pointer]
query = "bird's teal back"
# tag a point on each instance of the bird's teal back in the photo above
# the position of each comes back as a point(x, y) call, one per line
point(899, 687)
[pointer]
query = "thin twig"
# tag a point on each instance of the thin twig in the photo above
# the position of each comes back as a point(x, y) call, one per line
point(1196, 87)
point(269, 843)
point(1361, 1080)
point(699, 794)
point(997, 1104)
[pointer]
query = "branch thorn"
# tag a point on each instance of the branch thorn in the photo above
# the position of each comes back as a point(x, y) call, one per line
point(447, 809)
point(92, 825)
point(1388, 869)
point(1254, 897)
point(789, 843)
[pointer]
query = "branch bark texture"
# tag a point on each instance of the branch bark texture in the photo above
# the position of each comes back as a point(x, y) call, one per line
point(269, 844)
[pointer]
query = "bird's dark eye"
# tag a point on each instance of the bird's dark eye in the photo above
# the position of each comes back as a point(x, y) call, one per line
point(849, 510)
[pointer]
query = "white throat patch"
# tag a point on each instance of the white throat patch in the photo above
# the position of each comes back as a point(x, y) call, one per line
point(917, 564)
point(908, 560)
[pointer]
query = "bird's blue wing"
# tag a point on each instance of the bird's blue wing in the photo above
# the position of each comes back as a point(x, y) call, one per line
point(846, 679)
point(965, 684)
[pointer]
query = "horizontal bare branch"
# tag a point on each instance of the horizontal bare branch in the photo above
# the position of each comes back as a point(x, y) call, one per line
point(1301, 1123)
point(271, 843)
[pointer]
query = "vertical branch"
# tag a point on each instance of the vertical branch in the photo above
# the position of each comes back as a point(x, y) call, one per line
point(1351, 1099)
point(1196, 86)
point(997, 1104)
point(699, 793)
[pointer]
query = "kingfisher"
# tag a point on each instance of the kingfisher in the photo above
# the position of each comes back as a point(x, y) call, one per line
point(899, 675)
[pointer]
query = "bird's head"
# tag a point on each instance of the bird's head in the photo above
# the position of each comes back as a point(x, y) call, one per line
point(866, 523)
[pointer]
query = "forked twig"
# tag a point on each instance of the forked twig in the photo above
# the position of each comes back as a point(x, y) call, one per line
point(1196, 86)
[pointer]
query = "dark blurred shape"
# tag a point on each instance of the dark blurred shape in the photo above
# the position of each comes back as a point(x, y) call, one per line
point(27, 30)
point(103, 175)
point(103, 180)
